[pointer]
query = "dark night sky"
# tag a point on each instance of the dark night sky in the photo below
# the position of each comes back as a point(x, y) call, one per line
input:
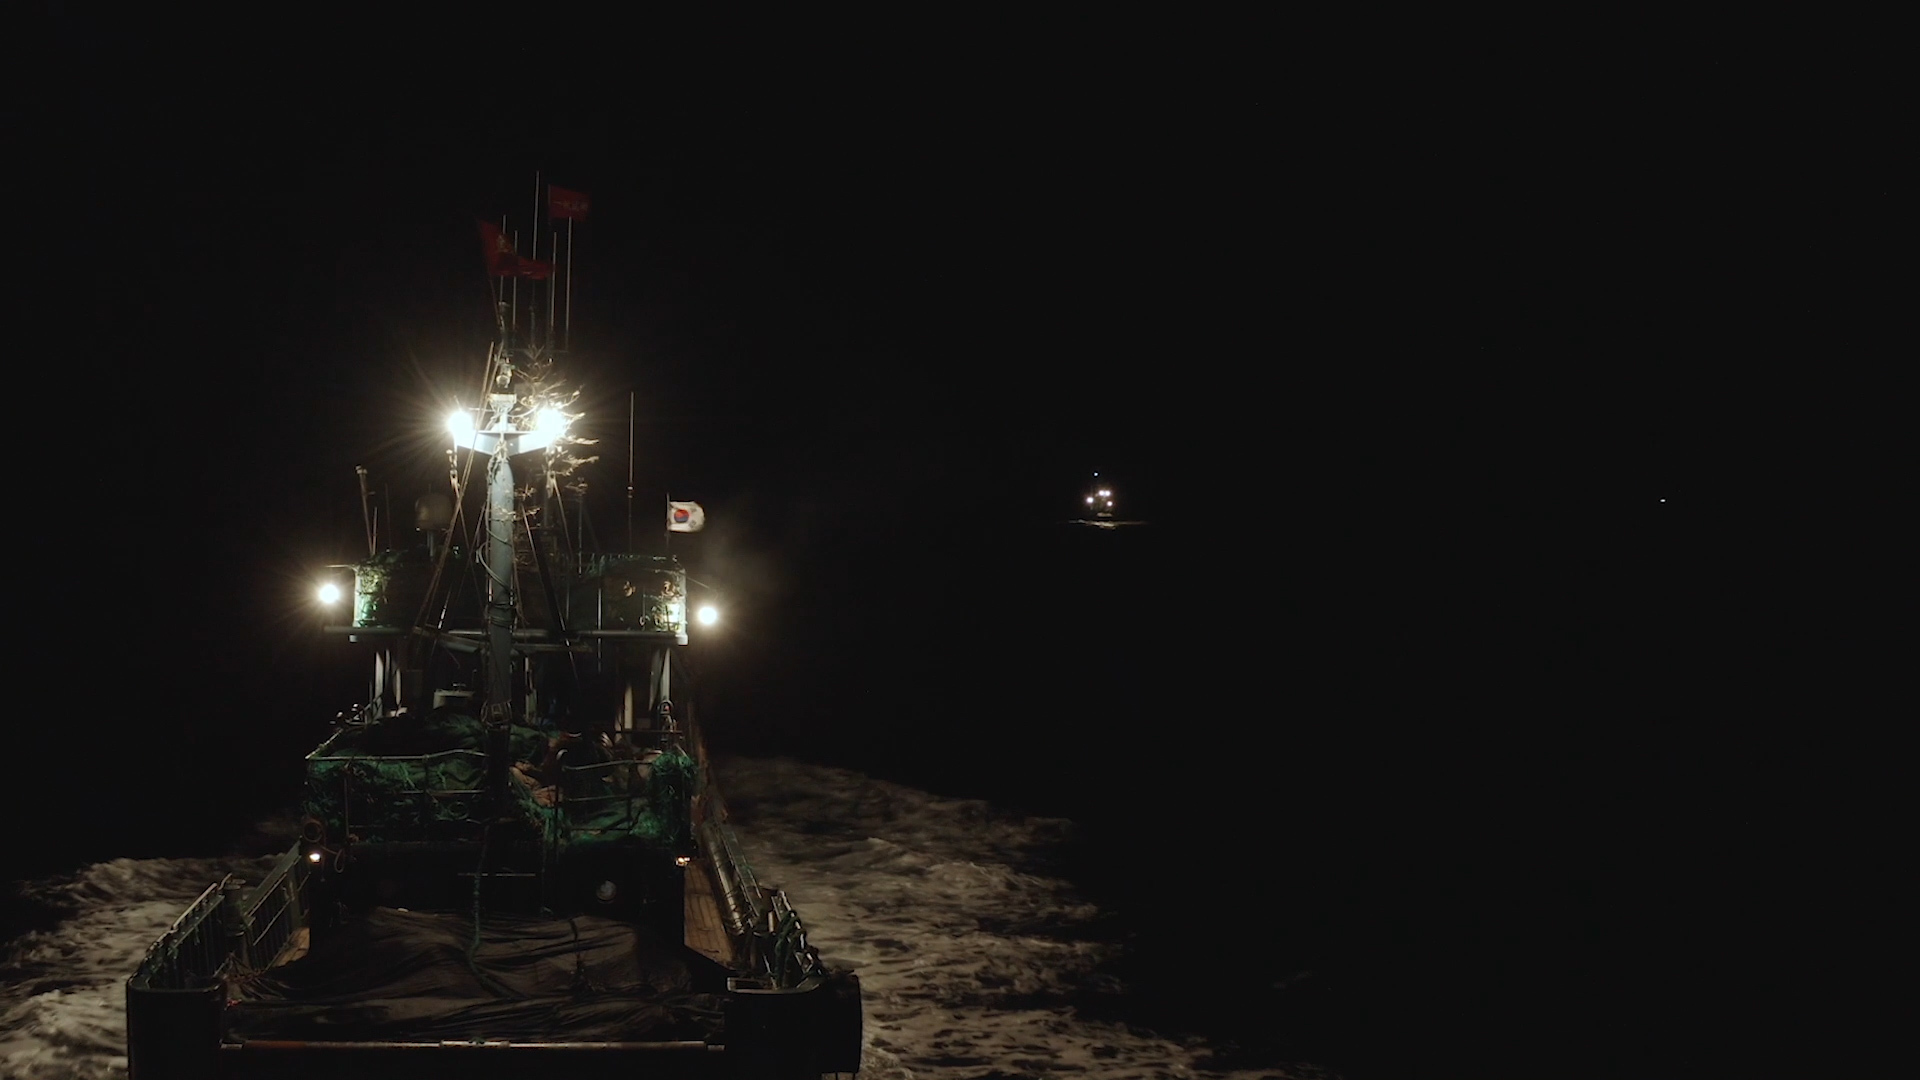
point(1407, 342)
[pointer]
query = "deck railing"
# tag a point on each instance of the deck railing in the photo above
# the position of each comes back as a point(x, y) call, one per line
point(191, 952)
point(275, 910)
point(224, 924)
point(394, 796)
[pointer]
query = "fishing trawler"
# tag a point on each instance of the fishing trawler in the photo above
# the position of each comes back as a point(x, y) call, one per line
point(1099, 504)
point(515, 859)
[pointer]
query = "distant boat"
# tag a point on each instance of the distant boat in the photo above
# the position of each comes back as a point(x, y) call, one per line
point(1099, 504)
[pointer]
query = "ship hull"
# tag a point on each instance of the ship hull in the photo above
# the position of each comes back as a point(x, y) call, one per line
point(285, 978)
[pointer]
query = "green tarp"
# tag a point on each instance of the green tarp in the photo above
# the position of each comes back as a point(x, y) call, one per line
point(409, 779)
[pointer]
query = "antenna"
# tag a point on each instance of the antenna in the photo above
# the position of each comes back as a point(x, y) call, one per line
point(533, 300)
point(366, 509)
point(630, 397)
point(567, 340)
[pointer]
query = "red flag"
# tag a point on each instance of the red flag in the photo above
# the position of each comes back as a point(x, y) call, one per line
point(502, 261)
point(498, 251)
point(562, 203)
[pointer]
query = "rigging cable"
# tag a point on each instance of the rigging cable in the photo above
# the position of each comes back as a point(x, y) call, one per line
point(462, 481)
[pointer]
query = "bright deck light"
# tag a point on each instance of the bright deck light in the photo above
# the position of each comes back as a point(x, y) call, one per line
point(709, 615)
point(329, 593)
point(552, 421)
point(459, 422)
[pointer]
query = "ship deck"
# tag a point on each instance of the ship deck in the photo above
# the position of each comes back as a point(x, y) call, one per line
point(391, 974)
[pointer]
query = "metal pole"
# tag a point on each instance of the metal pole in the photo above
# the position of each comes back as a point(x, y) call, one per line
point(663, 680)
point(630, 397)
point(535, 298)
point(500, 579)
point(501, 706)
point(567, 340)
point(366, 512)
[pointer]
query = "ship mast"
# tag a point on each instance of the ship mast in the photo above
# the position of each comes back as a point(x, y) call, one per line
point(500, 437)
point(499, 564)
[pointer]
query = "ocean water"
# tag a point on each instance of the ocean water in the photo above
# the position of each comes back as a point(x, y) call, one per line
point(1382, 801)
point(976, 958)
point(62, 986)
